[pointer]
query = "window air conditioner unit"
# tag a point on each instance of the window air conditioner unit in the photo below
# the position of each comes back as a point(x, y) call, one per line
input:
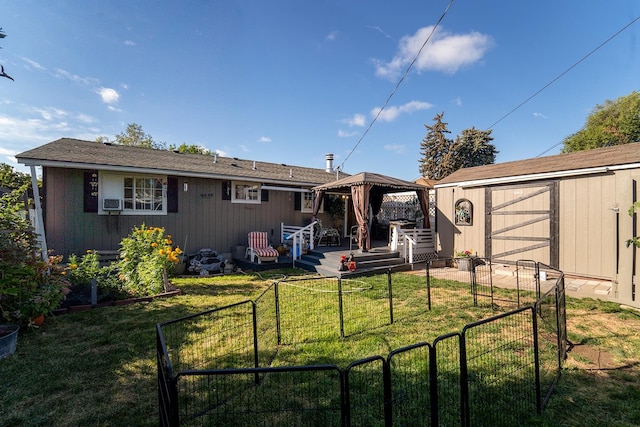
point(111, 205)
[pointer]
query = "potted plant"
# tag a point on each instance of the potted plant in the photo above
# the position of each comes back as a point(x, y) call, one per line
point(30, 286)
point(465, 260)
point(8, 340)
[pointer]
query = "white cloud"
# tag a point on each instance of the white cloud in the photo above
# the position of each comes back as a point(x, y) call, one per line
point(346, 134)
point(129, 43)
point(380, 30)
point(540, 116)
point(398, 148)
point(457, 101)
point(75, 78)
point(445, 52)
point(333, 35)
point(108, 95)
point(264, 139)
point(391, 113)
point(33, 64)
point(357, 120)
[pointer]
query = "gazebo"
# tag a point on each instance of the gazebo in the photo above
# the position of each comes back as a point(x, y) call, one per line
point(367, 188)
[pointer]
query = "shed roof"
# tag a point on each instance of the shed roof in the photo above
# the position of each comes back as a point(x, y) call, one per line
point(79, 154)
point(567, 164)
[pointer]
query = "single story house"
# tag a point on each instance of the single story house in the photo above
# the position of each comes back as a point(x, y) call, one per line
point(569, 211)
point(94, 193)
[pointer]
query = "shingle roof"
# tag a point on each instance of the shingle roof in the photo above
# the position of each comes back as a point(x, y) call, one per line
point(74, 153)
point(619, 155)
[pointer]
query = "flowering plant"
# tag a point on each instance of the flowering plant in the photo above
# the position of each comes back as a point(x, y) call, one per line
point(464, 254)
point(146, 256)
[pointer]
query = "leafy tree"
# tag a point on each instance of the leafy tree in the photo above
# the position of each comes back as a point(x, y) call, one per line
point(435, 149)
point(2, 73)
point(190, 149)
point(12, 179)
point(442, 156)
point(473, 148)
point(135, 136)
point(615, 122)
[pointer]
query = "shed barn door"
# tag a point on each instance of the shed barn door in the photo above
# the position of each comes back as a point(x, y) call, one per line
point(521, 223)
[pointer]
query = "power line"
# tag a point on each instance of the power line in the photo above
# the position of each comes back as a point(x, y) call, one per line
point(564, 72)
point(395, 89)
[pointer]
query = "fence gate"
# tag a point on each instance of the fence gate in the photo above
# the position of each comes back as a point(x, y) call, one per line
point(522, 222)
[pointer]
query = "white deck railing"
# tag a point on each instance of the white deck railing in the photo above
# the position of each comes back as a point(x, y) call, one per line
point(298, 236)
point(415, 244)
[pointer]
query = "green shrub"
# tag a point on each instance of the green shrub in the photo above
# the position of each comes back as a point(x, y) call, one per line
point(146, 257)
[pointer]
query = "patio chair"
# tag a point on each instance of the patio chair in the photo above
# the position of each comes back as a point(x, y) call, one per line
point(260, 248)
point(330, 235)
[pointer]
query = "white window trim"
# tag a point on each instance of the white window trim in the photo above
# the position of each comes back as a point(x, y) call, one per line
point(307, 199)
point(111, 186)
point(234, 184)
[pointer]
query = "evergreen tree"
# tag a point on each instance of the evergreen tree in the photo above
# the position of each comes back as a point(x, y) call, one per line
point(435, 149)
point(473, 148)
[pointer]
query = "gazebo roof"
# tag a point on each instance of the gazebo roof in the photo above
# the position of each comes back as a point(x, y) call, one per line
point(385, 183)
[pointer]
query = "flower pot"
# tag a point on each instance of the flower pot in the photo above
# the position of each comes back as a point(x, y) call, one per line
point(465, 264)
point(8, 340)
point(38, 320)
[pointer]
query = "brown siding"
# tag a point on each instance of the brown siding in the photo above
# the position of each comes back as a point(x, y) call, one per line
point(203, 219)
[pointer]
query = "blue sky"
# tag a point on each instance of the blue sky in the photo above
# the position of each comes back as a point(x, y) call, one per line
point(289, 81)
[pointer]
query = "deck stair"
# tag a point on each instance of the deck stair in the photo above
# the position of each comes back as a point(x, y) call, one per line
point(326, 260)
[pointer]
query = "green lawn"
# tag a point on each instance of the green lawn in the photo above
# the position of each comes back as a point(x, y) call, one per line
point(98, 367)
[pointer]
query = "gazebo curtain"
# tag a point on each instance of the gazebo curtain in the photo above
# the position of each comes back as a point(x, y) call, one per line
point(360, 196)
point(423, 197)
point(317, 202)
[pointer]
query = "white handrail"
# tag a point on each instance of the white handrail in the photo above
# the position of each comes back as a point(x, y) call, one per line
point(407, 241)
point(298, 237)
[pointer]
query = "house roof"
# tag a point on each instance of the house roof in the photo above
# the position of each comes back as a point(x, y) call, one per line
point(78, 154)
point(386, 183)
point(597, 160)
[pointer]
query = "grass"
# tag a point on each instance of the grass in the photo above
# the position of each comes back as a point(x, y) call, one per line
point(98, 367)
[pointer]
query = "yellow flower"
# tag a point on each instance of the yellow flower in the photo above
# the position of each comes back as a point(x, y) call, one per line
point(89, 251)
point(73, 266)
point(168, 236)
point(154, 245)
point(139, 231)
point(161, 252)
point(178, 251)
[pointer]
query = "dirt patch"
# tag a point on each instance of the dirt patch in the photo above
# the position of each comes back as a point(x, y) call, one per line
point(591, 357)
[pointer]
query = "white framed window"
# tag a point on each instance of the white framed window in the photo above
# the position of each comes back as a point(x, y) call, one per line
point(245, 192)
point(138, 194)
point(307, 203)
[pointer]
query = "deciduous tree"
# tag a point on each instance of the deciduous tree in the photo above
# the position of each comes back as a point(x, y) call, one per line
point(612, 123)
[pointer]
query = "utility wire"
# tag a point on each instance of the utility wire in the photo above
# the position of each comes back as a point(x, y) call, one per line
point(563, 73)
point(395, 89)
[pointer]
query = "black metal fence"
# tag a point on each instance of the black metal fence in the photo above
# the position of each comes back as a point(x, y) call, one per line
point(234, 365)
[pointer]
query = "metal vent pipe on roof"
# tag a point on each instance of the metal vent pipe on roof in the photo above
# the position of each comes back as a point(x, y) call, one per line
point(329, 158)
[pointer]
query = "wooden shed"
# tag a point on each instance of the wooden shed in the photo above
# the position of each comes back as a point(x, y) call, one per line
point(569, 211)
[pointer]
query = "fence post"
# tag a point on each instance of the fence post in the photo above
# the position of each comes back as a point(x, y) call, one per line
point(428, 274)
point(464, 382)
point(390, 286)
point(388, 401)
point(536, 356)
point(433, 384)
point(277, 298)
point(340, 308)
point(256, 361)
